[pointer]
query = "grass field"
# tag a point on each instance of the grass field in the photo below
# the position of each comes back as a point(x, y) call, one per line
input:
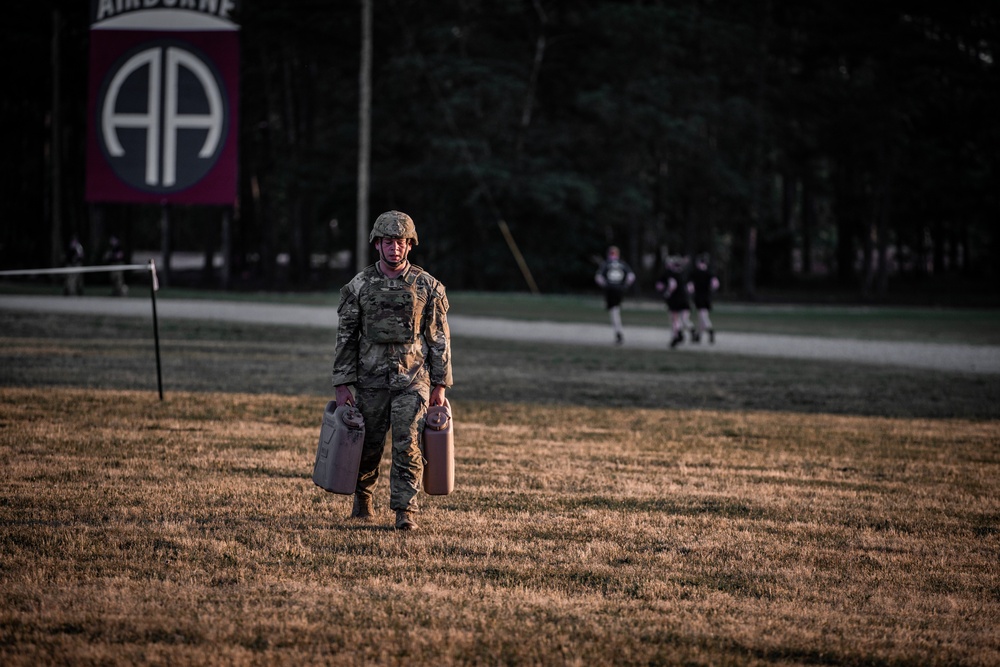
point(612, 507)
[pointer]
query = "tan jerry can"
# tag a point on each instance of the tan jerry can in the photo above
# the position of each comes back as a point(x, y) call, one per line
point(439, 451)
point(339, 454)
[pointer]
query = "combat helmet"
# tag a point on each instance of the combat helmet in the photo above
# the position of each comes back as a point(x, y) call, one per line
point(394, 225)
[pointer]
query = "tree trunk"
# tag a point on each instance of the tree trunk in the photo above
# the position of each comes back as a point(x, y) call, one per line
point(55, 155)
point(789, 195)
point(536, 67)
point(845, 247)
point(260, 181)
point(868, 254)
point(98, 236)
point(963, 241)
point(691, 214)
point(166, 249)
point(750, 262)
point(297, 263)
point(364, 134)
point(757, 172)
point(885, 211)
point(952, 250)
point(937, 241)
point(808, 224)
point(227, 248)
point(208, 259)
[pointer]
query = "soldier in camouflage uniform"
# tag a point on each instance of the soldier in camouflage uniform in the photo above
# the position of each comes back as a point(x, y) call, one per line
point(394, 347)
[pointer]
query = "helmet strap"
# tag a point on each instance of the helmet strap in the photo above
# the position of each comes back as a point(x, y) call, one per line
point(392, 265)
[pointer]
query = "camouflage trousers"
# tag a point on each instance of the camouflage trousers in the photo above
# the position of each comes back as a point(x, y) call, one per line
point(402, 413)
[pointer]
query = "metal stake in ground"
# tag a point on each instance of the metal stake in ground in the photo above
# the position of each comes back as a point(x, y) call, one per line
point(154, 285)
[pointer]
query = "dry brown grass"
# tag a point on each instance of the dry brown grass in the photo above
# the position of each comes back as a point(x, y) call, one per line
point(189, 531)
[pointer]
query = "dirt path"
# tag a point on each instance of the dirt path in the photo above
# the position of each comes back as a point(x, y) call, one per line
point(983, 359)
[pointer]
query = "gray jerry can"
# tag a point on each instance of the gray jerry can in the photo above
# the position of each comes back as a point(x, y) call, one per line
point(339, 454)
point(439, 451)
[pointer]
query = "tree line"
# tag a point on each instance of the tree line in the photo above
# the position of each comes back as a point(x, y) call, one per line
point(845, 144)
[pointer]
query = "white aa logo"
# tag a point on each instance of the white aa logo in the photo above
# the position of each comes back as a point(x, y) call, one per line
point(162, 120)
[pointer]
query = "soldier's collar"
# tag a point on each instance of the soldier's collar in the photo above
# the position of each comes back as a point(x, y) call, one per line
point(408, 275)
point(380, 266)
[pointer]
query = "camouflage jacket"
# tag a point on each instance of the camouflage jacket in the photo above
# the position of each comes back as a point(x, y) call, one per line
point(393, 332)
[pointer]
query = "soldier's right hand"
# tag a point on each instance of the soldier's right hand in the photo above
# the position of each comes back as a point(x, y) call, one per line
point(344, 395)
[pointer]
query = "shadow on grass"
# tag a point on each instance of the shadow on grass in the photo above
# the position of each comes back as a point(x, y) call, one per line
point(727, 509)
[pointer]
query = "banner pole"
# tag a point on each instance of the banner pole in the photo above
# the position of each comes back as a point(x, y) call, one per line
point(153, 287)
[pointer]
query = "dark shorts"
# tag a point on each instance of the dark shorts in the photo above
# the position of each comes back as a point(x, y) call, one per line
point(678, 303)
point(613, 297)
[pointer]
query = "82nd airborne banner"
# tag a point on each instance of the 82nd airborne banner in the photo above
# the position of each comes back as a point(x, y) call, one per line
point(163, 101)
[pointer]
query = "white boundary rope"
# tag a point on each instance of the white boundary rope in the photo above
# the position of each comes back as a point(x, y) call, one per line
point(78, 269)
point(153, 289)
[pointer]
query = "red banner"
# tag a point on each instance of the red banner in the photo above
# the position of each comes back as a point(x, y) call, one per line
point(163, 107)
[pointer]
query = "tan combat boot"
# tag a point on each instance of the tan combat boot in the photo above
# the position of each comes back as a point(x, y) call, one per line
point(404, 520)
point(362, 508)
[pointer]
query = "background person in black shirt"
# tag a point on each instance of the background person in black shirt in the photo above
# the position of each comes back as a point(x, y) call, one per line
point(701, 284)
point(615, 276)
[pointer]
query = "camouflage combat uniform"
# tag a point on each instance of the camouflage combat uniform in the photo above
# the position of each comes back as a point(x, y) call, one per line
point(393, 344)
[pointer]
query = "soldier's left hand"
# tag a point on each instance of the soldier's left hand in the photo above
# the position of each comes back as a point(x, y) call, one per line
point(437, 395)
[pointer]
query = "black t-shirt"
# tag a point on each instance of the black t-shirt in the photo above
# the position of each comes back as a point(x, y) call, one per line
point(615, 273)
